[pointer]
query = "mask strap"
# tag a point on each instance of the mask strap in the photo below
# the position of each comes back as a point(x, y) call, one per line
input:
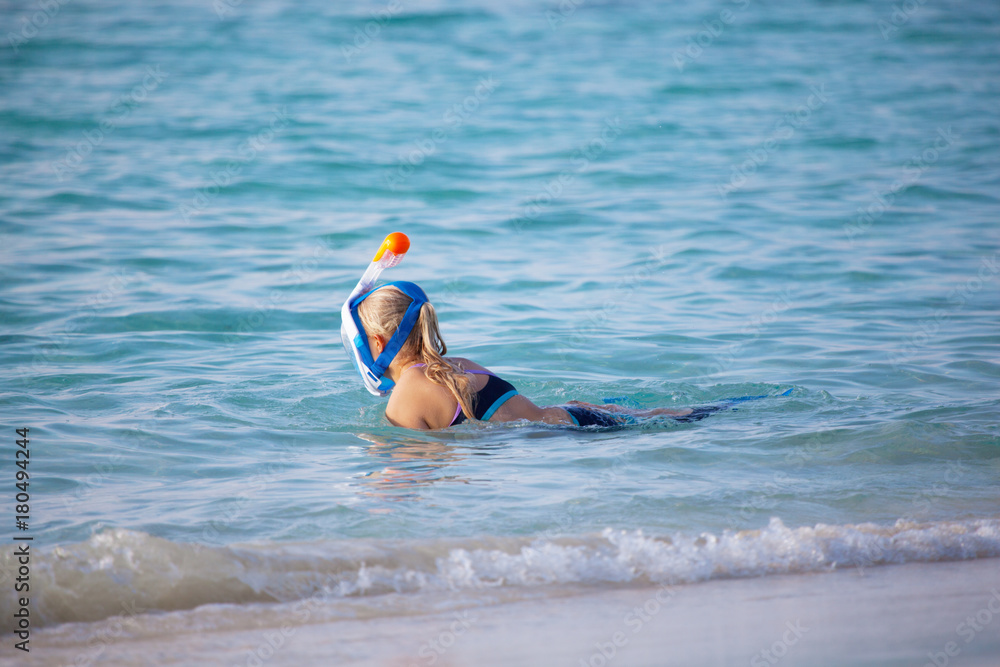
point(392, 348)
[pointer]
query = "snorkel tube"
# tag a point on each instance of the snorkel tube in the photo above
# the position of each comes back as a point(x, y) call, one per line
point(389, 254)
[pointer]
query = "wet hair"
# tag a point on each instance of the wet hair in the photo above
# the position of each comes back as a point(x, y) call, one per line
point(381, 314)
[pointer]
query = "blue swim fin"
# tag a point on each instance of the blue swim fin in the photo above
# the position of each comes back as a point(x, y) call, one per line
point(702, 411)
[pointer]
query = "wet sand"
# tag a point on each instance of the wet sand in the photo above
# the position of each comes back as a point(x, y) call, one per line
point(913, 614)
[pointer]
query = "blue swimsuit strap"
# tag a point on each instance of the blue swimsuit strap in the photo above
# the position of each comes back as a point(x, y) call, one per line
point(494, 386)
point(493, 408)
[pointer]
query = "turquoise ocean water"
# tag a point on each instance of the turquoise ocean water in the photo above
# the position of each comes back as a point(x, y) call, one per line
point(664, 204)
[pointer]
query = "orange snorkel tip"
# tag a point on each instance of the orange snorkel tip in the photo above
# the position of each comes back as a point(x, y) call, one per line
point(397, 243)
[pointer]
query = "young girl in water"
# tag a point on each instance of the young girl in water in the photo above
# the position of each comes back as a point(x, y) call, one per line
point(431, 391)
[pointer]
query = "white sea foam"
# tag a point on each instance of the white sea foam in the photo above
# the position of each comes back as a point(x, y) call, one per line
point(121, 569)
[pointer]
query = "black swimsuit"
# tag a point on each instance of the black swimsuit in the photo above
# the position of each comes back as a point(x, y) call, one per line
point(488, 400)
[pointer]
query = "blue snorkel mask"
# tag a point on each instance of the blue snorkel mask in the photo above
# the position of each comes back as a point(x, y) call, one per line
point(372, 371)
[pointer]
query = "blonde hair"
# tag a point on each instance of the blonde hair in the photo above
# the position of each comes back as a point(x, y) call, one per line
point(381, 314)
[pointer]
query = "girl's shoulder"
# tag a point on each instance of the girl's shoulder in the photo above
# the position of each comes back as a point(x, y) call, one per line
point(414, 399)
point(465, 364)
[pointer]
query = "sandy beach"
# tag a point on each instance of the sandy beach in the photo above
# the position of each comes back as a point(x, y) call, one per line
point(913, 614)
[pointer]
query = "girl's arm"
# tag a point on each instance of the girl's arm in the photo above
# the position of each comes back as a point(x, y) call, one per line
point(520, 407)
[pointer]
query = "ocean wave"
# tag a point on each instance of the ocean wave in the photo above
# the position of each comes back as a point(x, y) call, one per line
point(117, 570)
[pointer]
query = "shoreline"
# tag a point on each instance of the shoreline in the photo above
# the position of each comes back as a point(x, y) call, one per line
point(887, 615)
